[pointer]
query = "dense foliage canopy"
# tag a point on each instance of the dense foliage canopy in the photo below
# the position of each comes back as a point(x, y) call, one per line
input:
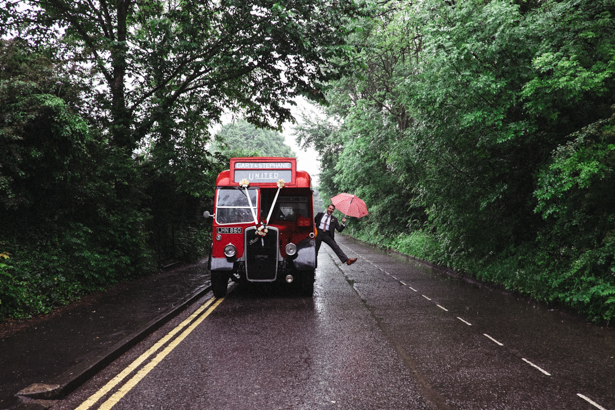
point(480, 133)
point(105, 112)
point(156, 61)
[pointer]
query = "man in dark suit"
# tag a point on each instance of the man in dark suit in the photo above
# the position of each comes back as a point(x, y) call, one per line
point(326, 224)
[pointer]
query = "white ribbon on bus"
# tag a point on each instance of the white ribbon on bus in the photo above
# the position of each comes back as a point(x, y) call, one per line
point(244, 183)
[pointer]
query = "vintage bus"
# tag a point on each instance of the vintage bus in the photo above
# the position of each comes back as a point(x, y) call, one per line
point(263, 225)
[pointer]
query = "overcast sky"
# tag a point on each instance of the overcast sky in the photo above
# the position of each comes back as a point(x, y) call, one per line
point(306, 160)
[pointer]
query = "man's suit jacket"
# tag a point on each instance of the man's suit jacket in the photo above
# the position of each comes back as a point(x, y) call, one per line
point(333, 224)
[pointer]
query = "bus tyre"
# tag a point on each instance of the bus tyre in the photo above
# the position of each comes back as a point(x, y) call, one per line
point(219, 282)
point(307, 283)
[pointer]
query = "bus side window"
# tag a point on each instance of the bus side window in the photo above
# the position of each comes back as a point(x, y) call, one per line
point(287, 213)
point(289, 208)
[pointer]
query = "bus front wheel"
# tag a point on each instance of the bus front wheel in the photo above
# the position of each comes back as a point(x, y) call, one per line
point(307, 283)
point(219, 283)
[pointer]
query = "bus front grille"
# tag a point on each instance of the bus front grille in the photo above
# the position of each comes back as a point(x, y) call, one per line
point(261, 255)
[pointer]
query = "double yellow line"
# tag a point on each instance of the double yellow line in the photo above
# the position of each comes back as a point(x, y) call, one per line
point(117, 396)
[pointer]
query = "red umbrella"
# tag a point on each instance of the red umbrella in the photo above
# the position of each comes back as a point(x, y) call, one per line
point(350, 205)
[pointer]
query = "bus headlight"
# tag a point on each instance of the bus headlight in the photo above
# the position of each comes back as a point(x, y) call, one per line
point(291, 249)
point(230, 250)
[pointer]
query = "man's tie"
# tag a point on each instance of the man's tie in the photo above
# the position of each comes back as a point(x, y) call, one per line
point(327, 222)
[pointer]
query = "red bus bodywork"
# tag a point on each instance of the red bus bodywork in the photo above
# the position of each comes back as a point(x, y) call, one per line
point(270, 193)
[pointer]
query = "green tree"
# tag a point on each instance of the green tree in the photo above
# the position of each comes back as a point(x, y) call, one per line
point(467, 119)
point(576, 199)
point(490, 121)
point(322, 136)
point(187, 59)
point(243, 136)
point(43, 140)
point(360, 143)
point(148, 79)
point(63, 226)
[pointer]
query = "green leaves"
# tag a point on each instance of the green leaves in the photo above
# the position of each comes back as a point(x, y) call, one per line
point(242, 136)
point(574, 61)
point(467, 121)
point(105, 111)
point(156, 56)
point(579, 167)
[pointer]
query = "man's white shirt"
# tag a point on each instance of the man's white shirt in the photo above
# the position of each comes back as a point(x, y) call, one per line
point(324, 223)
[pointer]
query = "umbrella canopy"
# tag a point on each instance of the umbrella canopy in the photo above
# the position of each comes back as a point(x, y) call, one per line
point(350, 205)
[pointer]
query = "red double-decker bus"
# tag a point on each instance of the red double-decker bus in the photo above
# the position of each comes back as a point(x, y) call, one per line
point(263, 225)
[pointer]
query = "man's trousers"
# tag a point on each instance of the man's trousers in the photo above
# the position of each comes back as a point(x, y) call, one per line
point(326, 238)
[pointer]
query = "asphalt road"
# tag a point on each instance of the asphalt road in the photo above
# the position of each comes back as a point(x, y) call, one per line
point(384, 333)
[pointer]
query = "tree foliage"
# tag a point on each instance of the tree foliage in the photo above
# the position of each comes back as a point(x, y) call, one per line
point(43, 137)
point(243, 136)
point(64, 229)
point(463, 123)
point(191, 58)
point(105, 109)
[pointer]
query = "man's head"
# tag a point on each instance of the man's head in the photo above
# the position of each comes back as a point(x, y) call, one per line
point(330, 209)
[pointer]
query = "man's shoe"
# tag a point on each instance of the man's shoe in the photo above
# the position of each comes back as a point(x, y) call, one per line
point(351, 261)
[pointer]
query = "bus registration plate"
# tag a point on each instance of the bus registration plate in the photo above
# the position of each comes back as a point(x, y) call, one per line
point(229, 230)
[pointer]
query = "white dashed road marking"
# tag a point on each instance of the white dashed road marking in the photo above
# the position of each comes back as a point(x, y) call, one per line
point(587, 399)
point(533, 365)
point(590, 401)
point(492, 339)
point(467, 323)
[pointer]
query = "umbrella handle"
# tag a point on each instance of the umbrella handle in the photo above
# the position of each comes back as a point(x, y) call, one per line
point(353, 197)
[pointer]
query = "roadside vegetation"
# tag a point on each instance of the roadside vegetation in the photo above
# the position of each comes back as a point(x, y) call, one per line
point(481, 135)
point(242, 135)
point(106, 156)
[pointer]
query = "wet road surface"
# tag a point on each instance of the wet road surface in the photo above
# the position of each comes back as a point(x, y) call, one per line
point(384, 333)
point(40, 350)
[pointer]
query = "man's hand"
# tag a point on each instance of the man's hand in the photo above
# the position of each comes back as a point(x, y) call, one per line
point(343, 220)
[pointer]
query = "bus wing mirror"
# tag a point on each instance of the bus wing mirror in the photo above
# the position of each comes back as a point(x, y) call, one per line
point(207, 215)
